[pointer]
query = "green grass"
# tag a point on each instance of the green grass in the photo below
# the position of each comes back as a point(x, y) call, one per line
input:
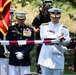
point(69, 72)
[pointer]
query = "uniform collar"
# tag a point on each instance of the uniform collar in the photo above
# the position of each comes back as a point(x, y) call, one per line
point(21, 26)
point(55, 25)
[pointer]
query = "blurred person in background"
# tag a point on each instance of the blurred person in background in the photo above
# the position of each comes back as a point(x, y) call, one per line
point(42, 17)
point(12, 11)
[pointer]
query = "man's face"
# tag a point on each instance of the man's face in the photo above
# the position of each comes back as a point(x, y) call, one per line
point(55, 20)
point(20, 21)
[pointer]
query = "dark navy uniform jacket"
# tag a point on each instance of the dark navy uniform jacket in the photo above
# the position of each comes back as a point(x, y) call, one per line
point(1, 47)
point(16, 33)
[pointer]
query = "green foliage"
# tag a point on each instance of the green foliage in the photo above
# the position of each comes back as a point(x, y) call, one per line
point(67, 7)
point(23, 2)
point(71, 16)
point(36, 3)
point(13, 4)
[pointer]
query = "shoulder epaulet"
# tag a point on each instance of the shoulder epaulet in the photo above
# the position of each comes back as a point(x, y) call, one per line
point(65, 27)
point(45, 23)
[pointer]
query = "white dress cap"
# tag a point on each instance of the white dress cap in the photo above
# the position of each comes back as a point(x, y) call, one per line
point(55, 12)
point(21, 14)
point(55, 9)
point(12, 10)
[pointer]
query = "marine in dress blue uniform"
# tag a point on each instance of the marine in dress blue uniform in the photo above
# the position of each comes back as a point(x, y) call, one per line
point(19, 60)
point(51, 58)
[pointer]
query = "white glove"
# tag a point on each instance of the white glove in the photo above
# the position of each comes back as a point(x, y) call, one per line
point(61, 48)
point(57, 40)
point(65, 41)
point(19, 55)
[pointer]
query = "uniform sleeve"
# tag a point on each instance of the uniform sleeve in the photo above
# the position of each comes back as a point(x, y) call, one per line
point(10, 48)
point(28, 48)
point(66, 31)
point(66, 35)
point(36, 22)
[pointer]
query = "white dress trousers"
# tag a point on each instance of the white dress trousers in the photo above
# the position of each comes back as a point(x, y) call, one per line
point(48, 71)
point(4, 66)
point(19, 70)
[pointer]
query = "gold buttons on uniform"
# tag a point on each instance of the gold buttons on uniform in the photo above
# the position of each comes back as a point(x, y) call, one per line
point(20, 45)
point(20, 37)
point(20, 28)
point(14, 35)
point(20, 34)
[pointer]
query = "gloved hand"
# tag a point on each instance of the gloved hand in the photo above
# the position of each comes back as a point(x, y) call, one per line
point(65, 41)
point(55, 41)
point(62, 41)
point(19, 55)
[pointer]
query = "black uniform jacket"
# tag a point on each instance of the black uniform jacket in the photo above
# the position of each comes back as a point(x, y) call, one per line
point(16, 33)
point(1, 47)
point(38, 20)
